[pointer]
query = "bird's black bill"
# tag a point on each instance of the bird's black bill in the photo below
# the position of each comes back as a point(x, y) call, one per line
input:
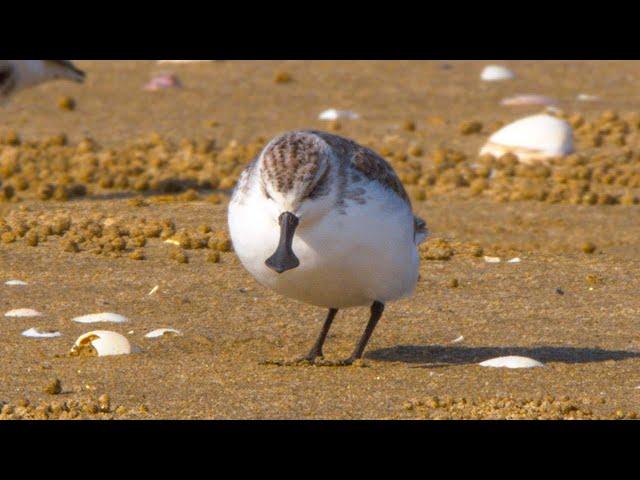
point(284, 259)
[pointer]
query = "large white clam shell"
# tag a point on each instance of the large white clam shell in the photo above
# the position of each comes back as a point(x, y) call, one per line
point(23, 312)
point(105, 343)
point(101, 317)
point(511, 361)
point(493, 73)
point(534, 138)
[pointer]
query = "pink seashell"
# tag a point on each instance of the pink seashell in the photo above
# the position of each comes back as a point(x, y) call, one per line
point(521, 100)
point(163, 81)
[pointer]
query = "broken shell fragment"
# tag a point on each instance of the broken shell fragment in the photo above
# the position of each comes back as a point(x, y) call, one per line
point(524, 100)
point(15, 283)
point(101, 343)
point(492, 259)
point(493, 73)
point(333, 114)
point(163, 81)
point(514, 260)
point(161, 332)
point(23, 312)
point(38, 333)
point(101, 317)
point(584, 97)
point(511, 361)
point(531, 139)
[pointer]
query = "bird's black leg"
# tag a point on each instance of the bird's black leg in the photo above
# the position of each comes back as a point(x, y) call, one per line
point(376, 312)
point(316, 350)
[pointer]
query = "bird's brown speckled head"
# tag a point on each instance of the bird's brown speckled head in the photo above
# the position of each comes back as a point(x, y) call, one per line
point(295, 167)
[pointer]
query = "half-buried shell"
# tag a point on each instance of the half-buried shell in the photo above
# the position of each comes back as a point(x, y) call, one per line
point(511, 361)
point(494, 73)
point(40, 333)
point(101, 317)
point(23, 312)
point(161, 332)
point(101, 343)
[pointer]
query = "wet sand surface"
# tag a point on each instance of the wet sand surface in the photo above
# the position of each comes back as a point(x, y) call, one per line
point(571, 307)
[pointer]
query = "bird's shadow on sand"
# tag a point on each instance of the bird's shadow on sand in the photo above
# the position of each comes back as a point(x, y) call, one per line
point(443, 355)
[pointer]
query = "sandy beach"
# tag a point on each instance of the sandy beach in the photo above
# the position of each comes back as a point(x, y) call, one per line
point(90, 194)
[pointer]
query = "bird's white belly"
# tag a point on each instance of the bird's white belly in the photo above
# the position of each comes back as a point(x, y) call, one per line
point(346, 260)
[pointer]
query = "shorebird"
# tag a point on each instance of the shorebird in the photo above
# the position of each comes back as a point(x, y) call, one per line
point(323, 220)
point(20, 74)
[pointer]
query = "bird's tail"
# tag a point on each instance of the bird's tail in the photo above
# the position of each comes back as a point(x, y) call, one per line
point(420, 231)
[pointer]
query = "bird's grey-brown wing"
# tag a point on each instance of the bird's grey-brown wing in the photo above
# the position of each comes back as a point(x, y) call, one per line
point(7, 79)
point(366, 162)
point(243, 184)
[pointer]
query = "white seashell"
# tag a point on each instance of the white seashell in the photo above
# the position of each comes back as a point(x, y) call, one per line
point(492, 259)
point(23, 312)
point(553, 110)
point(161, 332)
point(172, 242)
point(458, 340)
point(533, 138)
point(101, 317)
point(522, 100)
point(511, 361)
point(104, 342)
point(583, 97)
point(333, 114)
point(493, 73)
point(514, 260)
point(36, 333)
point(15, 283)
point(154, 290)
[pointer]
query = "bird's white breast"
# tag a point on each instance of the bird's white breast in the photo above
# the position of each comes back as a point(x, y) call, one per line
point(346, 259)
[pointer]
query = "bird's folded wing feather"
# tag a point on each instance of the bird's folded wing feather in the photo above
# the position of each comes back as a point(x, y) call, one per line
point(368, 163)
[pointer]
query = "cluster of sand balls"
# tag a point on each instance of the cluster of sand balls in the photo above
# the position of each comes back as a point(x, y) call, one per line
point(108, 236)
point(605, 171)
point(90, 408)
point(436, 248)
point(510, 408)
point(52, 169)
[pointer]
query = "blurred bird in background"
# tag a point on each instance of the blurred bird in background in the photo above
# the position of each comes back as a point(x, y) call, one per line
point(16, 75)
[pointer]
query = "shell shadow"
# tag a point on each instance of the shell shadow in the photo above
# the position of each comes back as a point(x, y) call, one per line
point(441, 355)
